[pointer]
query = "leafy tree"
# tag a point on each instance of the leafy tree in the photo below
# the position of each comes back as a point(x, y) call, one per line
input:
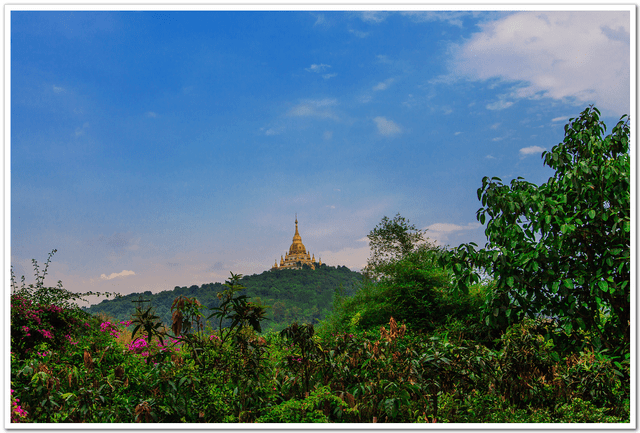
point(389, 241)
point(560, 249)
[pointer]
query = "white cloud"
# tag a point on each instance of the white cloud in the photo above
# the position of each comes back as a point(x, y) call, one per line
point(301, 110)
point(116, 275)
point(386, 127)
point(500, 104)
point(320, 19)
point(352, 258)
point(327, 76)
point(373, 16)
point(580, 57)
point(439, 233)
point(560, 119)
point(383, 85)
point(531, 150)
point(453, 18)
point(151, 114)
point(272, 131)
point(359, 33)
point(314, 107)
point(381, 58)
point(495, 125)
point(490, 157)
point(457, 133)
point(57, 89)
point(317, 68)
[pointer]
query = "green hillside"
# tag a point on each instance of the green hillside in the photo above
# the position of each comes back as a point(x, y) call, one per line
point(303, 295)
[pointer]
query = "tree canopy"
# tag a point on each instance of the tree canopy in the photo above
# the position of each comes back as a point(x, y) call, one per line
point(561, 249)
point(390, 241)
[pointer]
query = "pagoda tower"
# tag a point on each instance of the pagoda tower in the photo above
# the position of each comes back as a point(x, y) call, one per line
point(297, 255)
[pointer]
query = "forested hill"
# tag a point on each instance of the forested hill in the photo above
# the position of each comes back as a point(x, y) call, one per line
point(303, 295)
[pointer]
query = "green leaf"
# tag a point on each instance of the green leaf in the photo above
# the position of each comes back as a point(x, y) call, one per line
point(603, 286)
point(568, 327)
point(391, 407)
point(592, 214)
point(568, 283)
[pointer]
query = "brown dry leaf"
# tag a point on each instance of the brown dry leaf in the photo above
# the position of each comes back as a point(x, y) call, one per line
point(43, 368)
point(88, 361)
point(176, 327)
point(393, 326)
point(350, 399)
point(119, 372)
point(143, 409)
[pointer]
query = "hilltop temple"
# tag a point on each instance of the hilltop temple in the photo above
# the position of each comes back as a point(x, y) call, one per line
point(297, 256)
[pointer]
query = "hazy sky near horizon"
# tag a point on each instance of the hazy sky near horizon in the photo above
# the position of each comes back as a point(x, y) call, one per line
point(163, 149)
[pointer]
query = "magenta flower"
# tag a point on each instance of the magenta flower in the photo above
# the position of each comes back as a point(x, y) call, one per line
point(46, 333)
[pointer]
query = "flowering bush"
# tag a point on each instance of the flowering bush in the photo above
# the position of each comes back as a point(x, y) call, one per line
point(48, 315)
point(111, 328)
point(34, 323)
point(17, 413)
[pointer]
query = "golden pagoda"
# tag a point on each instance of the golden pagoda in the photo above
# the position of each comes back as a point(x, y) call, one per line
point(297, 255)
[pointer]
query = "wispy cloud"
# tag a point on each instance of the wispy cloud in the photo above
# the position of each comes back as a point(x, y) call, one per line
point(387, 127)
point(531, 150)
point(320, 19)
point(353, 258)
point(373, 16)
point(500, 104)
point(383, 85)
point(314, 107)
point(382, 58)
point(317, 68)
point(272, 131)
point(560, 119)
point(440, 232)
point(327, 76)
point(359, 34)
point(116, 275)
point(151, 114)
point(57, 89)
point(579, 57)
point(453, 18)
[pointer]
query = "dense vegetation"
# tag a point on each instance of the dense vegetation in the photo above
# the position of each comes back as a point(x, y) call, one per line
point(302, 295)
point(542, 338)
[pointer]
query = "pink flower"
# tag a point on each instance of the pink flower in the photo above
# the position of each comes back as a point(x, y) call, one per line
point(46, 333)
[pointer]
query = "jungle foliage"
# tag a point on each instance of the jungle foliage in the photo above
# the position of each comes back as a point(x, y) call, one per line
point(542, 338)
point(303, 295)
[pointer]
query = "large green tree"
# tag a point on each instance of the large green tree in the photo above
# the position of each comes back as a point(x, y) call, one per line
point(561, 249)
point(390, 241)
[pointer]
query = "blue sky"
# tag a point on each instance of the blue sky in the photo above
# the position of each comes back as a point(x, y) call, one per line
point(163, 149)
